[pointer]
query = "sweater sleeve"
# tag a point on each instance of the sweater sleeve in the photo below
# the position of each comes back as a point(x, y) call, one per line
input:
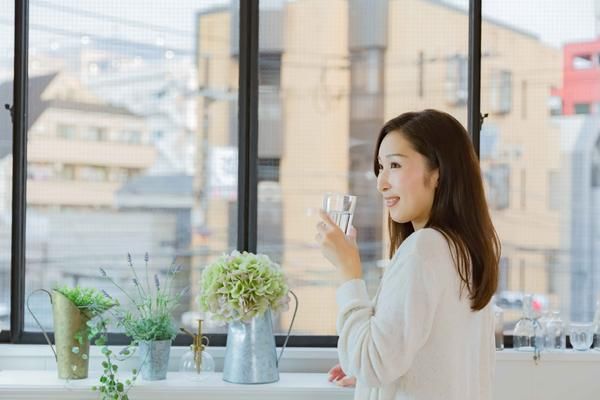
point(378, 346)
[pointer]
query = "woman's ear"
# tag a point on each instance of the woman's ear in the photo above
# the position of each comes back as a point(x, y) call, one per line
point(435, 177)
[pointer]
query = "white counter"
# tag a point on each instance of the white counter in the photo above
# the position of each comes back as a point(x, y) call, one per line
point(29, 372)
point(291, 386)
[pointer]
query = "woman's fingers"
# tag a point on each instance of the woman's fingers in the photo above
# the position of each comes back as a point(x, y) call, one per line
point(336, 373)
point(347, 381)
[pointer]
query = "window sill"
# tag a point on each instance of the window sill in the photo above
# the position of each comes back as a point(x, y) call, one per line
point(291, 386)
point(29, 372)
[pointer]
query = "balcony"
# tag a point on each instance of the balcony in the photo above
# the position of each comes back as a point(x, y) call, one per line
point(109, 154)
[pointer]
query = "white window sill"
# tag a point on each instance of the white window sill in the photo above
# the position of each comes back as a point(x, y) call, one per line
point(291, 386)
point(29, 372)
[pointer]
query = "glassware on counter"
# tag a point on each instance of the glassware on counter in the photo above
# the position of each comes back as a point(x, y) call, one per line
point(556, 335)
point(197, 362)
point(499, 327)
point(529, 334)
point(581, 335)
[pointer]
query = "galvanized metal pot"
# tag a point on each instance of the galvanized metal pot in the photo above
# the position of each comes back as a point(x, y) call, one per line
point(72, 358)
point(154, 359)
point(250, 356)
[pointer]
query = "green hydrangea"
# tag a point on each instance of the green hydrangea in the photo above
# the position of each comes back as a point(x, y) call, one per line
point(240, 286)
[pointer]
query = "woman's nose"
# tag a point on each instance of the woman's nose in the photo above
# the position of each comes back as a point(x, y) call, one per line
point(382, 182)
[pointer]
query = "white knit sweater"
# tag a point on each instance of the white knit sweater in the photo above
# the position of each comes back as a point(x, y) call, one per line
point(416, 339)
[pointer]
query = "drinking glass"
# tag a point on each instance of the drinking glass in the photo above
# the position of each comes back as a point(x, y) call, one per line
point(340, 208)
point(581, 335)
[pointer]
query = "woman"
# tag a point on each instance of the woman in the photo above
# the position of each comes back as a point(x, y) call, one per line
point(428, 334)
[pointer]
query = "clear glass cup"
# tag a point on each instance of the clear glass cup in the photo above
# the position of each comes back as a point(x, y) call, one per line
point(581, 335)
point(340, 208)
point(555, 333)
point(499, 327)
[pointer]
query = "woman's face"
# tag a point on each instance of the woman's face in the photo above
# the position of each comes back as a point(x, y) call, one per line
point(404, 181)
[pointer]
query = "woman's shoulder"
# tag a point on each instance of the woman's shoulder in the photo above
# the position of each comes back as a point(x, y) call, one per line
point(427, 241)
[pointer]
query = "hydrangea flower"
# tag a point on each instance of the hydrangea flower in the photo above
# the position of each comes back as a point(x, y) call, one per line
point(240, 286)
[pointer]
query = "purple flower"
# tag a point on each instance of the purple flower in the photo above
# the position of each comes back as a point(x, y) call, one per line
point(156, 282)
point(146, 257)
point(105, 293)
point(103, 272)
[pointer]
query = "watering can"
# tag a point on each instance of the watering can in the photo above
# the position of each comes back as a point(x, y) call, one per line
point(72, 357)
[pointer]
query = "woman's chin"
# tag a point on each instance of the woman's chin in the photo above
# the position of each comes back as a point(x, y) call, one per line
point(400, 219)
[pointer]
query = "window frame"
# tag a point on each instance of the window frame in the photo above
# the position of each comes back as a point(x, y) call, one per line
point(247, 167)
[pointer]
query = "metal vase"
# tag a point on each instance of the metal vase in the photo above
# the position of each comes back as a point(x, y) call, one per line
point(72, 358)
point(154, 359)
point(250, 356)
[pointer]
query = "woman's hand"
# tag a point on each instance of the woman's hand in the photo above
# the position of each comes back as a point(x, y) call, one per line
point(339, 249)
point(337, 375)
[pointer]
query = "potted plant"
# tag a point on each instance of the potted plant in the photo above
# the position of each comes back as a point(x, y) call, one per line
point(242, 289)
point(147, 318)
point(73, 309)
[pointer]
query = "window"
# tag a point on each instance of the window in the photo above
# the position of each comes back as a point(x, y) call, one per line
point(554, 192)
point(501, 96)
point(583, 108)
point(7, 13)
point(582, 61)
point(457, 80)
point(339, 81)
point(120, 194)
point(64, 131)
point(498, 183)
point(550, 255)
point(95, 134)
point(326, 85)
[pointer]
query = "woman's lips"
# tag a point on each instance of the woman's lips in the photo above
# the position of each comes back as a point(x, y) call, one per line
point(391, 201)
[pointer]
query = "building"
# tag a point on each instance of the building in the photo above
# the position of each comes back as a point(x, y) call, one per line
point(80, 149)
point(580, 91)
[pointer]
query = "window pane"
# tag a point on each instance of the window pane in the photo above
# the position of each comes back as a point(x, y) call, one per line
point(7, 16)
point(540, 156)
point(132, 143)
point(332, 73)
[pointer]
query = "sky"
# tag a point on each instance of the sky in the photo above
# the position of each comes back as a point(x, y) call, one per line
point(64, 22)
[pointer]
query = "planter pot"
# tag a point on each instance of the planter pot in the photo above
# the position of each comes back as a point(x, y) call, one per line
point(250, 356)
point(68, 321)
point(154, 359)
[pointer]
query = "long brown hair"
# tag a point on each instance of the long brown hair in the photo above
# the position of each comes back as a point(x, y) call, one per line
point(459, 209)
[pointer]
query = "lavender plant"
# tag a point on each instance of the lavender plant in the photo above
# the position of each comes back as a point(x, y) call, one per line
point(151, 304)
point(240, 286)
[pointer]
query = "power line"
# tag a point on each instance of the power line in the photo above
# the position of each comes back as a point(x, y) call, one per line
point(111, 18)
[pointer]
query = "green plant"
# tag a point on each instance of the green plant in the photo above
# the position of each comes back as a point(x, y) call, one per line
point(240, 286)
point(148, 317)
point(111, 386)
point(92, 303)
point(95, 305)
point(89, 300)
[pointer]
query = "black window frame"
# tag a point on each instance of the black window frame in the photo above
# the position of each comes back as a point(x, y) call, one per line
point(247, 168)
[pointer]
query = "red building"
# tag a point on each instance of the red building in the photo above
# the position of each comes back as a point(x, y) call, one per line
point(581, 78)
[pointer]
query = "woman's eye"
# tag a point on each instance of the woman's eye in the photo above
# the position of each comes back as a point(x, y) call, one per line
point(395, 165)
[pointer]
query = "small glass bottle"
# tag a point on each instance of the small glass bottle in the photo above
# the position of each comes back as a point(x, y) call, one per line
point(556, 335)
point(528, 334)
point(596, 342)
point(499, 327)
point(196, 363)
